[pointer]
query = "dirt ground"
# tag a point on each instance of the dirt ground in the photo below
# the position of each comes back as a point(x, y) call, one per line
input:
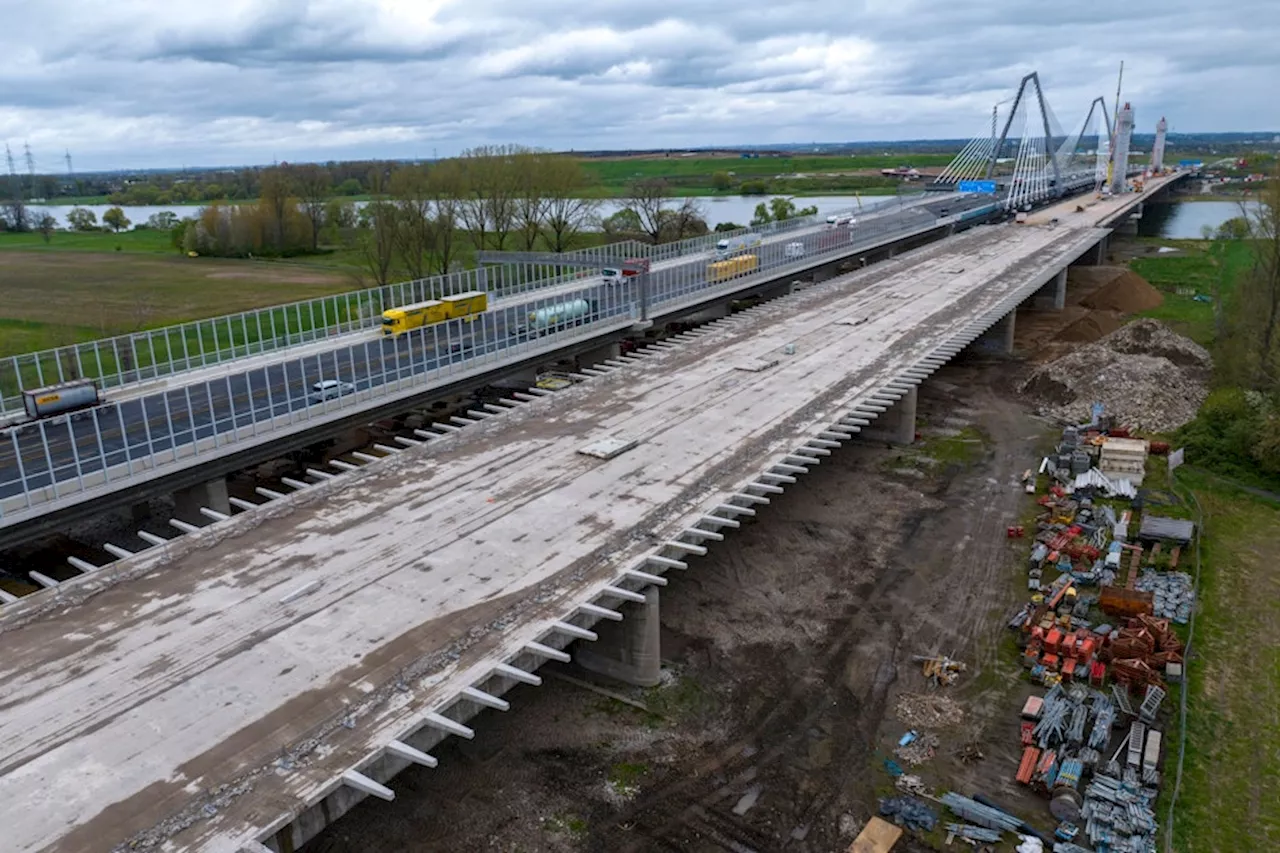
point(786, 650)
point(1098, 301)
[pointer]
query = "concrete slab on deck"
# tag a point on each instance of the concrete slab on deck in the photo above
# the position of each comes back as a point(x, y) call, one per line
point(199, 667)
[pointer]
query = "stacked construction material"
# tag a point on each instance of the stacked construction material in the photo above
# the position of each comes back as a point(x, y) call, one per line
point(975, 812)
point(1119, 816)
point(1172, 594)
point(909, 812)
point(974, 833)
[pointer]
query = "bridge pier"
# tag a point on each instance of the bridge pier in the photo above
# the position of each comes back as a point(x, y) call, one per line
point(1100, 253)
point(211, 495)
point(999, 338)
point(708, 315)
point(898, 425)
point(1053, 296)
point(599, 354)
point(630, 650)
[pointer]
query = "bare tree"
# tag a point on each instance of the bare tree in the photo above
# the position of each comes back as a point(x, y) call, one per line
point(489, 205)
point(447, 185)
point(378, 243)
point(414, 231)
point(567, 212)
point(501, 191)
point(472, 209)
point(648, 198)
point(313, 185)
point(530, 173)
point(275, 202)
point(687, 220)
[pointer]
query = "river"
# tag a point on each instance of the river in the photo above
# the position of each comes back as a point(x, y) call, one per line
point(1186, 220)
point(736, 209)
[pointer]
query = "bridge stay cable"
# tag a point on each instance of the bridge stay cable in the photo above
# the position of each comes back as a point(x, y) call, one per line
point(1029, 157)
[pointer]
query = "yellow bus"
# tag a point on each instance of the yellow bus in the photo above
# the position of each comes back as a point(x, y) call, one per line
point(397, 321)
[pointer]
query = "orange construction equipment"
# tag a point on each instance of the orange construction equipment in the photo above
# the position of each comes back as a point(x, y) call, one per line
point(1027, 768)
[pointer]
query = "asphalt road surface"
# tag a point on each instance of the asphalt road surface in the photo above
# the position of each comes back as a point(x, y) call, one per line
point(114, 434)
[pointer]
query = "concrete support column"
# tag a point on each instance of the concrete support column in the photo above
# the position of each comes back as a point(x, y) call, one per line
point(898, 425)
point(707, 315)
point(599, 354)
point(1100, 256)
point(1003, 332)
point(1053, 296)
point(519, 380)
point(213, 495)
point(628, 651)
point(999, 338)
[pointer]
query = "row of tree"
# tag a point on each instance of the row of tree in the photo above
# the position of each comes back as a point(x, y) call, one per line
point(423, 218)
point(1238, 429)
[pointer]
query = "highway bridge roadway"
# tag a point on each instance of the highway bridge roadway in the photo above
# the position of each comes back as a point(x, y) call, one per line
point(207, 690)
point(178, 411)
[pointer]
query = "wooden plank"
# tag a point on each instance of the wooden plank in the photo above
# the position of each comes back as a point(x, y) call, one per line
point(878, 836)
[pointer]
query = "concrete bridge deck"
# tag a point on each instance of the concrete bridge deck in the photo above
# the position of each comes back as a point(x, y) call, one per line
point(242, 670)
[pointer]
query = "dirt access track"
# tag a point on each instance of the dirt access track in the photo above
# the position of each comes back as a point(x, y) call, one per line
point(203, 691)
point(786, 648)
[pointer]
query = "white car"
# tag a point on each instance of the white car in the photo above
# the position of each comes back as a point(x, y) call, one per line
point(328, 389)
point(794, 250)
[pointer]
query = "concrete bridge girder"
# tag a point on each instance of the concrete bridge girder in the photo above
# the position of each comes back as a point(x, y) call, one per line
point(897, 425)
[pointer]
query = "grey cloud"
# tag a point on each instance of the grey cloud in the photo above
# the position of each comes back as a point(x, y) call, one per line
point(242, 81)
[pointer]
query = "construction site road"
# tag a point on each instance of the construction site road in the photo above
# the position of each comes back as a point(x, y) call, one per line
point(203, 692)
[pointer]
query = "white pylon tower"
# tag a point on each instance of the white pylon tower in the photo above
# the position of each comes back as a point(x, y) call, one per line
point(1157, 151)
point(1124, 130)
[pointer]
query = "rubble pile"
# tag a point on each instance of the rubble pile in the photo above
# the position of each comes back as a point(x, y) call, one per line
point(918, 749)
point(1144, 374)
point(921, 711)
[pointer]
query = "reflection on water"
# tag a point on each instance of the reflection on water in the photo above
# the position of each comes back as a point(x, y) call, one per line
point(1186, 220)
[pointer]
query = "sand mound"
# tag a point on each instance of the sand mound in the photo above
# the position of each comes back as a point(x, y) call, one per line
point(1090, 327)
point(1127, 292)
point(1143, 374)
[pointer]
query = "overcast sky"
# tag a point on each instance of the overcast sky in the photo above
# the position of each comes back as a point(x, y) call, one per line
point(137, 83)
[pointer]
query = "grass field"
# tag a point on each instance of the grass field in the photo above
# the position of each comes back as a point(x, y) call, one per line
point(1232, 766)
point(792, 175)
point(81, 286)
point(1196, 268)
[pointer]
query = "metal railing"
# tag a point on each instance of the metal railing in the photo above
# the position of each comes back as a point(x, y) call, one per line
point(153, 354)
point(45, 462)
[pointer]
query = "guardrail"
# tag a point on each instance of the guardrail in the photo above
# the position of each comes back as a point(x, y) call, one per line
point(52, 462)
point(155, 353)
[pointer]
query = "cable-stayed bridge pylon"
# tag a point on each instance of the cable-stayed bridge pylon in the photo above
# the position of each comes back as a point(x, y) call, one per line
point(1032, 158)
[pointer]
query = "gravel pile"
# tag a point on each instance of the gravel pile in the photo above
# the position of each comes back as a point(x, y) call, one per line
point(1144, 375)
point(925, 711)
